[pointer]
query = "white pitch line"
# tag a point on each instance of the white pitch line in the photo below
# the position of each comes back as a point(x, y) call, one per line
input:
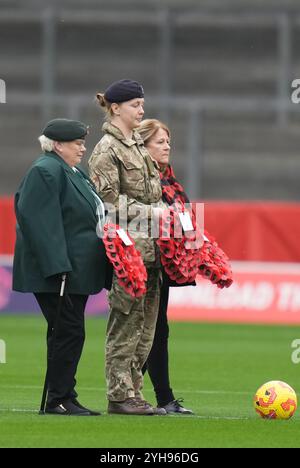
point(230, 418)
point(172, 416)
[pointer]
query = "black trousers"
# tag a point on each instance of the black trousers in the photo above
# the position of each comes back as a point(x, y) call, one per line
point(157, 363)
point(69, 340)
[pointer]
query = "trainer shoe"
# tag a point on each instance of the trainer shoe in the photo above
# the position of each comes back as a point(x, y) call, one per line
point(129, 406)
point(175, 407)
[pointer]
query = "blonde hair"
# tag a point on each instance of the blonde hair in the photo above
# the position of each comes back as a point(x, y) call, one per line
point(46, 143)
point(105, 105)
point(149, 127)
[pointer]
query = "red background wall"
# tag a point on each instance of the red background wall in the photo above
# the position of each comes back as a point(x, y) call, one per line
point(262, 231)
point(7, 225)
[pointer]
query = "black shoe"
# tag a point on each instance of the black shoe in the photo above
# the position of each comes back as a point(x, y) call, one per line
point(67, 408)
point(93, 413)
point(175, 407)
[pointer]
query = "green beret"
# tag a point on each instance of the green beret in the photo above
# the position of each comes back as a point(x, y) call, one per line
point(65, 130)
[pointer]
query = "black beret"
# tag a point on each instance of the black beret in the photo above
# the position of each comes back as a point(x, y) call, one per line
point(65, 130)
point(123, 90)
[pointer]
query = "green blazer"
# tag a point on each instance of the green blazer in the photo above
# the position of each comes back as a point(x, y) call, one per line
point(56, 231)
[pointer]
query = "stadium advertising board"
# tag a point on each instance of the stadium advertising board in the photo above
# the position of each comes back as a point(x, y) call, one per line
point(261, 293)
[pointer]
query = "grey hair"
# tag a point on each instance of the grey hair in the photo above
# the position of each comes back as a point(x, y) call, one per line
point(46, 143)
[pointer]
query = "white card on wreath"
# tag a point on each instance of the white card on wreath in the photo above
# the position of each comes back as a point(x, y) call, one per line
point(186, 221)
point(124, 237)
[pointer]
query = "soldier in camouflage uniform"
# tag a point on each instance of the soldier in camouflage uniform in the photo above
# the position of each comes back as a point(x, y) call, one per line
point(120, 165)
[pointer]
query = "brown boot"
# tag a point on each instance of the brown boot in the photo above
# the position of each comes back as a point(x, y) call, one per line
point(157, 411)
point(129, 406)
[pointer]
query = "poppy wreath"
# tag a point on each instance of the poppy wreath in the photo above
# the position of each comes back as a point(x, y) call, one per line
point(126, 260)
point(215, 264)
point(186, 256)
point(180, 252)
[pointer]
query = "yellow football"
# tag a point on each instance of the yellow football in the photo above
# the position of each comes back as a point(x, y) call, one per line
point(275, 400)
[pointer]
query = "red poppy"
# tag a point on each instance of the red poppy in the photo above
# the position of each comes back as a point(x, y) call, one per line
point(186, 257)
point(126, 260)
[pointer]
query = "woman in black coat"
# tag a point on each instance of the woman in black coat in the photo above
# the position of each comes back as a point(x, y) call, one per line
point(156, 136)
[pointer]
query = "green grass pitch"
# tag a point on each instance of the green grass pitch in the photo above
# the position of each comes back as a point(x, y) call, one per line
point(216, 368)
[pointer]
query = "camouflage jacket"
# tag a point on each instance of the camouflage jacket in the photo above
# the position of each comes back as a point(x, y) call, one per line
point(120, 166)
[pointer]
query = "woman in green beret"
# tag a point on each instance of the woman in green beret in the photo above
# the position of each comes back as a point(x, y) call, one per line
point(58, 255)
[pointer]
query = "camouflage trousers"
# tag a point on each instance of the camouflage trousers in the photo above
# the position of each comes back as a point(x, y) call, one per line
point(129, 338)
